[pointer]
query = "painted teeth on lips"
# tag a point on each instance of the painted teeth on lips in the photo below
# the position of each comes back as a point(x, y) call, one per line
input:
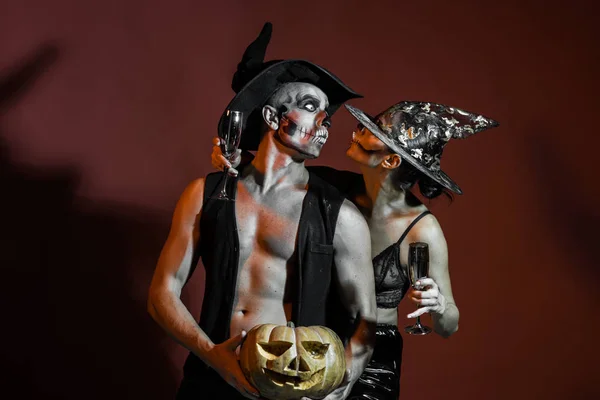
point(321, 136)
point(305, 132)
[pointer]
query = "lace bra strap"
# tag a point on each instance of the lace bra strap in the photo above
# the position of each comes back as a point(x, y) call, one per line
point(413, 223)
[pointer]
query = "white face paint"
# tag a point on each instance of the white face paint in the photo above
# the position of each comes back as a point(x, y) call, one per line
point(304, 123)
point(366, 149)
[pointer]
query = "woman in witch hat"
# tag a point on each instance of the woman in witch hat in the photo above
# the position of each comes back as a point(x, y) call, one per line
point(398, 151)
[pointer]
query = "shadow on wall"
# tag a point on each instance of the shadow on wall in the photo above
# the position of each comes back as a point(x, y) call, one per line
point(75, 275)
point(566, 196)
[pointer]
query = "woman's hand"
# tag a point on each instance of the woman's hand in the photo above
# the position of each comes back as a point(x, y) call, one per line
point(429, 300)
point(223, 164)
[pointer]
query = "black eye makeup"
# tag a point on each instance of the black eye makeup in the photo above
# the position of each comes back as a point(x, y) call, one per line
point(309, 103)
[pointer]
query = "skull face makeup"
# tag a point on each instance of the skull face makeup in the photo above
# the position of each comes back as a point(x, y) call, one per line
point(303, 121)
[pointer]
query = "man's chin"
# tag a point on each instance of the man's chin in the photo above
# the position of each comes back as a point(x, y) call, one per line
point(307, 153)
point(302, 152)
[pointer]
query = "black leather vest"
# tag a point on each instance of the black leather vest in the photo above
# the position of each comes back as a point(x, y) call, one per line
point(219, 249)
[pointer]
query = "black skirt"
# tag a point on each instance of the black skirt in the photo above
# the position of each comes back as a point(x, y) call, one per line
point(381, 378)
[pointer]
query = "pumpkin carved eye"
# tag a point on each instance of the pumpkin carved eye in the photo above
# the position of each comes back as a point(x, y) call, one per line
point(274, 349)
point(315, 349)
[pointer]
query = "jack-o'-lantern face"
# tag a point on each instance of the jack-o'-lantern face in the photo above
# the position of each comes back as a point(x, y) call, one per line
point(284, 362)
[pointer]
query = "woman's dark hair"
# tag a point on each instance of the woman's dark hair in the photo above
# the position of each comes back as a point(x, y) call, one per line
point(406, 176)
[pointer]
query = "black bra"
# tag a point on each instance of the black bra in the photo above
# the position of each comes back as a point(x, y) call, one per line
point(391, 282)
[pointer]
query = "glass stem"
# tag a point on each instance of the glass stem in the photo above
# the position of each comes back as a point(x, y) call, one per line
point(223, 189)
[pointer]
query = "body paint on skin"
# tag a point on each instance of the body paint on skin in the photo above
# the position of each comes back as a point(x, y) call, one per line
point(309, 128)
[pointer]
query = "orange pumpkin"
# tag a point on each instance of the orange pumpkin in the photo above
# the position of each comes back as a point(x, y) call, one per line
point(287, 362)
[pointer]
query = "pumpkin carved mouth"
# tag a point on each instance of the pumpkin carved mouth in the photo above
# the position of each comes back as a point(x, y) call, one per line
point(296, 381)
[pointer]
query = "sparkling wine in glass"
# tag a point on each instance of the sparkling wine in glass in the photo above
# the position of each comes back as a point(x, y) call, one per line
point(230, 140)
point(418, 268)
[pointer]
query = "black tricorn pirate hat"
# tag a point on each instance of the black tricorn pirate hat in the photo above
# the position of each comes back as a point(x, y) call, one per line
point(255, 81)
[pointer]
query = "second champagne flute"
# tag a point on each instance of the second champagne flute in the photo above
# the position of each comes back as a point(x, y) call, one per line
point(230, 140)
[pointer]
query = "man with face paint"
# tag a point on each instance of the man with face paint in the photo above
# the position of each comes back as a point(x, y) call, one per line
point(289, 248)
point(297, 116)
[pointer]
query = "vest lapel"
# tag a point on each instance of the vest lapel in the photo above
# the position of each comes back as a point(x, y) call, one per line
point(302, 240)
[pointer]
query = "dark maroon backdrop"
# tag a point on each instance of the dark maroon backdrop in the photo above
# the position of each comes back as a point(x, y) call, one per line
point(107, 109)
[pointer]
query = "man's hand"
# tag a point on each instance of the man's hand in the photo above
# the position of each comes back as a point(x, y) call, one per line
point(429, 300)
point(221, 163)
point(223, 359)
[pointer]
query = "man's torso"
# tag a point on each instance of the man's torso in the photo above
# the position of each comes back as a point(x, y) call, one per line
point(267, 230)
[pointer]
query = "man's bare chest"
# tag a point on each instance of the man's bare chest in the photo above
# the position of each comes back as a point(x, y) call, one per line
point(269, 222)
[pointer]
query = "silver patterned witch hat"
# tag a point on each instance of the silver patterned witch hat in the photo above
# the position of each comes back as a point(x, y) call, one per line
point(419, 131)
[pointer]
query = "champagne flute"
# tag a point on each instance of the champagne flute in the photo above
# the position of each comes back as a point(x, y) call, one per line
point(230, 140)
point(418, 268)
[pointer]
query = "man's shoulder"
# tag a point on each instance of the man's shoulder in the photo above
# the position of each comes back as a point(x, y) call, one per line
point(212, 182)
point(351, 230)
point(190, 202)
point(350, 213)
point(342, 211)
point(194, 191)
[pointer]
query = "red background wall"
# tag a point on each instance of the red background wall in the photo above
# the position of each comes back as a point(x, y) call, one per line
point(106, 112)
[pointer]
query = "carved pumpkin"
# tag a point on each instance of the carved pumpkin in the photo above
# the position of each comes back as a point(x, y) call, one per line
point(285, 362)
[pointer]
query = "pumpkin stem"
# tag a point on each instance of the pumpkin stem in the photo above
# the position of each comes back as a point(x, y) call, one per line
point(290, 324)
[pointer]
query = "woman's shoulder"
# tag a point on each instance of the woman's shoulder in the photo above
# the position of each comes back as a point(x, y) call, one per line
point(427, 229)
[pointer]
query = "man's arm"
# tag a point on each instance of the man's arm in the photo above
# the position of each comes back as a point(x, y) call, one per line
point(164, 302)
point(171, 273)
point(352, 243)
